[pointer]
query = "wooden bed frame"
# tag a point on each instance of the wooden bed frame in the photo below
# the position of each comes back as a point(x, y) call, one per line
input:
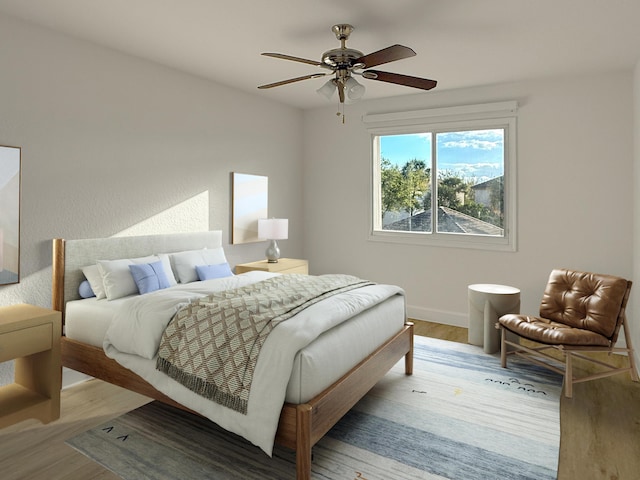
point(301, 425)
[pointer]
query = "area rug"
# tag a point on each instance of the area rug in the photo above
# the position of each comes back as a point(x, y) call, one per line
point(459, 416)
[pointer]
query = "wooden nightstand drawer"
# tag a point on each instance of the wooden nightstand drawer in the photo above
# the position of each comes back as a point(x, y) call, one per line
point(304, 269)
point(284, 265)
point(26, 341)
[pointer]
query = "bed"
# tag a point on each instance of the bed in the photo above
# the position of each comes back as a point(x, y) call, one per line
point(308, 411)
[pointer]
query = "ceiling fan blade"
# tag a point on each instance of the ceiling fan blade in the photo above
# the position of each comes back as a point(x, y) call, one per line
point(295, 59)
point(406, 80)
point(386, 55)
point(292, 80)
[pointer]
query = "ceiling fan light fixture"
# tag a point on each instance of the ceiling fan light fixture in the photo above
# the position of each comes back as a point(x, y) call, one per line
point(355, 90)
point(343, 62)
point(327, 90)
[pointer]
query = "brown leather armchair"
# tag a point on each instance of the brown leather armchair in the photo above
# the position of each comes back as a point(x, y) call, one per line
point(580, 313)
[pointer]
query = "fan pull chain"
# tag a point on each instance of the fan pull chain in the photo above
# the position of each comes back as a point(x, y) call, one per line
point(341, 113)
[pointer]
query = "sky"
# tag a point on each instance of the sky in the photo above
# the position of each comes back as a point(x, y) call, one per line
point(475, 155)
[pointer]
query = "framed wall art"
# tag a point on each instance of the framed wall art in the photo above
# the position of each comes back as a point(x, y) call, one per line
point(9, 214)
point(250, 203)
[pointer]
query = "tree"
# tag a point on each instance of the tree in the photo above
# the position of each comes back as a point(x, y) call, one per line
point(452, 190)
point(403, 188)
point(392, 186)
point(416, 178)
point(496, 199)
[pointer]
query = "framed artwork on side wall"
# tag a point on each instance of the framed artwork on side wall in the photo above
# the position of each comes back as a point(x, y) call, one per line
point(250, 203)
point(9, 214)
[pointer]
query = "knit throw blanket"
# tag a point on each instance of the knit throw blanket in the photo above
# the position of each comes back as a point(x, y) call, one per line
point(211, 346)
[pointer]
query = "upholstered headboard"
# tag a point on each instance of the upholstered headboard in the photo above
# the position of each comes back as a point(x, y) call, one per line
point(70, 256)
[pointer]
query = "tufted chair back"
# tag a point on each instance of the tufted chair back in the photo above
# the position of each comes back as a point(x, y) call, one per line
point(589, 301)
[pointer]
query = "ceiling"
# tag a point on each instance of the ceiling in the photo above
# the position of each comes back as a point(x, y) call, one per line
point(460, 43)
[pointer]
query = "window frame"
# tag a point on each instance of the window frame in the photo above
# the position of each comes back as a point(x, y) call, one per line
point(502, 115)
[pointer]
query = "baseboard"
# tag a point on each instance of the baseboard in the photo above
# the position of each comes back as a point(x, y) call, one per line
point(438, 316)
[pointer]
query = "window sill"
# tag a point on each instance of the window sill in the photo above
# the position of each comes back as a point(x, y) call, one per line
point(446, 240)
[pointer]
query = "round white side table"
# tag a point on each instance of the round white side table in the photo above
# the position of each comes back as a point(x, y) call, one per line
point(487, 303)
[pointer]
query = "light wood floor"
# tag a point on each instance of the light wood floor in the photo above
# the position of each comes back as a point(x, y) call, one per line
point(600, 429)
point(32, 451)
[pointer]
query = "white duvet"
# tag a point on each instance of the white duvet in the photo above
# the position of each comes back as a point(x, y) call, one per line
point(134, 337)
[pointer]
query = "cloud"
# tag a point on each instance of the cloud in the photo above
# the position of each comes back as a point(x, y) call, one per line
point(475, 172)
point(477, 140)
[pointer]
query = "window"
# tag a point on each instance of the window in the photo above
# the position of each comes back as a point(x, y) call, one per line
point(445, 177)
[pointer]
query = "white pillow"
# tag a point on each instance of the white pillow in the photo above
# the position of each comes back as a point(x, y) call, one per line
point(168, 271)
point(116, 276)
point(94, 277)
point(185, 262)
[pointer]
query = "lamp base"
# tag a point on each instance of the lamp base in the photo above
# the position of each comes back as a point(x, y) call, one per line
point(272, 252)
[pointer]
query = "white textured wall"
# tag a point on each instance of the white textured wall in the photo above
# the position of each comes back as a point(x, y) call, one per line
point(114, 145)
point(575, 194)
point(634, 310)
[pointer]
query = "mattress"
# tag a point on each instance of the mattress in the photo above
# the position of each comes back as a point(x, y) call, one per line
point(87, 320)
point(315, 367)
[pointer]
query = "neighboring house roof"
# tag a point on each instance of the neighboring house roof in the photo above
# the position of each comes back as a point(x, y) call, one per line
point(449, 220)
point(486, 184)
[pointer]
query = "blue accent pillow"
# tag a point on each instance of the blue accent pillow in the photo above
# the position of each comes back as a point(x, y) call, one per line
point(207, 272)
point(85, 290)
point(149, 277)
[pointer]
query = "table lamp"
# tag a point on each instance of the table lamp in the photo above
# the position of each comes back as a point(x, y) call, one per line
point(273, 229)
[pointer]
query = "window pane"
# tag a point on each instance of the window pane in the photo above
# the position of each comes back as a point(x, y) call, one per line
point(405, 178)
point(470, 171)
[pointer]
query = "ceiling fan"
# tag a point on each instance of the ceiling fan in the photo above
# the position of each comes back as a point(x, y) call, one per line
point(345, 62)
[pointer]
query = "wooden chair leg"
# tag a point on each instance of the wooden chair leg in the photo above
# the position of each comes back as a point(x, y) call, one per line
point(631, 353)
point(634, 369)
point(568, 377)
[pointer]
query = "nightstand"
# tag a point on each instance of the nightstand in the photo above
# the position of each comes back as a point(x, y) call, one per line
point(31, 336)
point(284, 265)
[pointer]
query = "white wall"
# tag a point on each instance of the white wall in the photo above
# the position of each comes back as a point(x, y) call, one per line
point(575, 194)
point(112, 144)
point(634, 312)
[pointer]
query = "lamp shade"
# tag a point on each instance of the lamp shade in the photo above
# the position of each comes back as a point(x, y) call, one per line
point(327, 90)
point(355, 90)
point(273, 228)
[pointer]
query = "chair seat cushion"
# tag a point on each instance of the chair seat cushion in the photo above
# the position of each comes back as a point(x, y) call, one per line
point(553, 333)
